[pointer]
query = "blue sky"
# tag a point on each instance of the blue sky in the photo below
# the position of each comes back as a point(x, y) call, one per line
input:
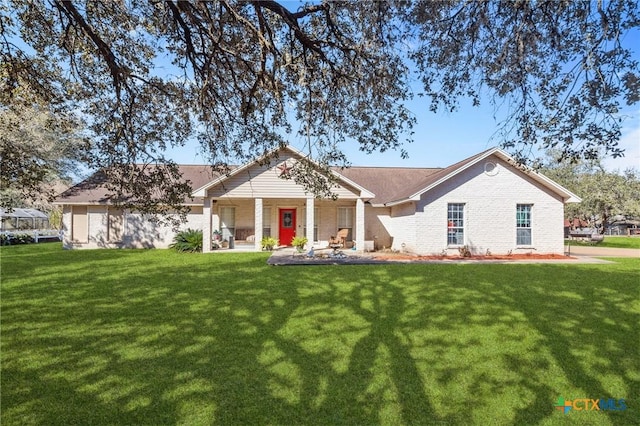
point(443, 138)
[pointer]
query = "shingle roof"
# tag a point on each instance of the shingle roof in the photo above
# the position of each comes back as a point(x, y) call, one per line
point(93, 190)
point(399, 183)
point(387, 182)
point(390, 185)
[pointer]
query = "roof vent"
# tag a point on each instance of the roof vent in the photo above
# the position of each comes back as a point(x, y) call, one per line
point(490, 168)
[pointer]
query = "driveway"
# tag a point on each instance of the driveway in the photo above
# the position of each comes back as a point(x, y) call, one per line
point(596, 251)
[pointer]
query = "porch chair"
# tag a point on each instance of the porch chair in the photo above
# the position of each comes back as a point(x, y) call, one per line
point(340, 239)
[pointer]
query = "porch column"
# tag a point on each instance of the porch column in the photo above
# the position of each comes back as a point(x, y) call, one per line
point(258, 224)
point(359, 225)
point(310, 220)
point(206, 225)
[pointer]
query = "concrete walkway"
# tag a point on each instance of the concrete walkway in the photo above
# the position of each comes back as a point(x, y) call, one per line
point(595, 251)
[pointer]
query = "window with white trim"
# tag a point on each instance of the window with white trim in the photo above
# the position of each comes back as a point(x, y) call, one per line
point(455, 224)
point(266, 221)
point(523, 224)
point(345, 220)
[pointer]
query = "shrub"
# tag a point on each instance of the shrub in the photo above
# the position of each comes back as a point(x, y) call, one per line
point(15, 239)
point(268, 243)
point(464, 251)
point(299, 242)
point(189, 240)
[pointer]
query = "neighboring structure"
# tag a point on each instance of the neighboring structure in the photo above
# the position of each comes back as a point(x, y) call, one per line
point(486, 202)
point(623, 227)
point(23, 219)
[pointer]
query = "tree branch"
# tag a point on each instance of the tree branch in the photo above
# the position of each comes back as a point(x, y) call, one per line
point(117, 72)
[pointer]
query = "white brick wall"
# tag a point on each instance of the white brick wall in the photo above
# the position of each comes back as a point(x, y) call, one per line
point(490, 213)
point(376, 227)
point(402, 227)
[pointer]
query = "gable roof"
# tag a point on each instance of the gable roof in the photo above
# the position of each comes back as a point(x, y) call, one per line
point(398, 185)
point(201, 191)
point(416, 191)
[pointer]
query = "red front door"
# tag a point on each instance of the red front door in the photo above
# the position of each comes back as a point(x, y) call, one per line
point(287, 226)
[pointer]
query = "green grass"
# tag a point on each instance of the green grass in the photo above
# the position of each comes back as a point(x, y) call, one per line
point(157, 337)
point(612, 242)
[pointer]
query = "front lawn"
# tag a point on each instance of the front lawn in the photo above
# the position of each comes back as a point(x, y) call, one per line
point(611, 241)
point(157, 337)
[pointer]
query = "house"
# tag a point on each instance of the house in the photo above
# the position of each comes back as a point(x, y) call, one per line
point(623, 226)
point(486, 202)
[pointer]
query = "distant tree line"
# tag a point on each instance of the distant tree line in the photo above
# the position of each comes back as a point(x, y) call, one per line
point(605, 194)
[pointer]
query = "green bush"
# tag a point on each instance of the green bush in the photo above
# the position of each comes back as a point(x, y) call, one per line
point(189, 240)
point(15, 239)
point(268, 243)
point(299, 242)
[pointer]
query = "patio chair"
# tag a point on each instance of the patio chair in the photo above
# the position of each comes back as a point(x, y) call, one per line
point(340, 239)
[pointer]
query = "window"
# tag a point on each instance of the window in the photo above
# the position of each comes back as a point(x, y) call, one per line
point(455, 224)
point(315, 222)
point(523, 224)
point(25, 223)
point(345, 220)
point(42, 223)
point(227, 222)
point(266, 221)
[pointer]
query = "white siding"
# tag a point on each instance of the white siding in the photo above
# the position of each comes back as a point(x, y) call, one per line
point(264, 182)
point(490, 213)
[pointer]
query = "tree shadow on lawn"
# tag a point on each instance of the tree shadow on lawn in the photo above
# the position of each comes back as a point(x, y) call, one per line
point(232, 341)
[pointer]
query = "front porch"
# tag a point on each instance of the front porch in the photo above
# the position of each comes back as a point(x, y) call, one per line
point(242, 222)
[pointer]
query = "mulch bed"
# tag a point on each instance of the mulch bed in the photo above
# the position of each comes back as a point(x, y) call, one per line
point(403, 257)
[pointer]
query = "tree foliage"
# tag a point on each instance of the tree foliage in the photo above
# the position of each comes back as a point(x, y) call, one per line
point(604, 194)
point(38, 149)
point(239, 76)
